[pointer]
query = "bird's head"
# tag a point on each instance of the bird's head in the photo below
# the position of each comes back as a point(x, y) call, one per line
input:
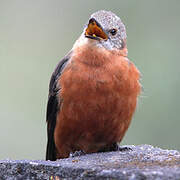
point(104, 29)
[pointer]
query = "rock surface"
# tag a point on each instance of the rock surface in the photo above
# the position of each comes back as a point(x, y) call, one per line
point(142, 162)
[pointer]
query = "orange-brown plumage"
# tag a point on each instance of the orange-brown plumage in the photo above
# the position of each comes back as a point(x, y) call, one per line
point(93, 91)
point(99, 91)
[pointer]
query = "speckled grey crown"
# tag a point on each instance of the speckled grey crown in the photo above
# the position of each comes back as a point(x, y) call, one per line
point(109, 20)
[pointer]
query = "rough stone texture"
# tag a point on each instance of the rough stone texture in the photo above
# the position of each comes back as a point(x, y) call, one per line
point(142, 162)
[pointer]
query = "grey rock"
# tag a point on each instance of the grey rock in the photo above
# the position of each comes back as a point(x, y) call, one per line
point(142, 162)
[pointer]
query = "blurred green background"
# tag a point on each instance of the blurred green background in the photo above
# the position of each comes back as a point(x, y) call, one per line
point(36, 34)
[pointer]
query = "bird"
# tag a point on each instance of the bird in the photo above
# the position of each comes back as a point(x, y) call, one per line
point(93, 91)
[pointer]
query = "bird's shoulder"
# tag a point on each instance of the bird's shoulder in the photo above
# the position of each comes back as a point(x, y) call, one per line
point(57, 73)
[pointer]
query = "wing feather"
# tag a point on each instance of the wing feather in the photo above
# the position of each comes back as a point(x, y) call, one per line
point(52, 108)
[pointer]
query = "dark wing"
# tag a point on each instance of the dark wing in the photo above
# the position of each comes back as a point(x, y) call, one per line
point(52, 108)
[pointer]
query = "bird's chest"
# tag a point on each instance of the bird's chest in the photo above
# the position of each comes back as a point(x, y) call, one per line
point(99, 90)
point(81, 82)
point(96, 74)
point(97, 102)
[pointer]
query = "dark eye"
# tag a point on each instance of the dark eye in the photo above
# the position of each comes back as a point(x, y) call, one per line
point(113, 32)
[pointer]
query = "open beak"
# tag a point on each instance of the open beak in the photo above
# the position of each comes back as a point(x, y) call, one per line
point(95, 31)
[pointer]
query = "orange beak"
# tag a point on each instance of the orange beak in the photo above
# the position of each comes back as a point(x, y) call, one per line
point(95, 31)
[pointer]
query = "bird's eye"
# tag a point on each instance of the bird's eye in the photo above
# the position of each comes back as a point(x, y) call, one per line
point(113, 32)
